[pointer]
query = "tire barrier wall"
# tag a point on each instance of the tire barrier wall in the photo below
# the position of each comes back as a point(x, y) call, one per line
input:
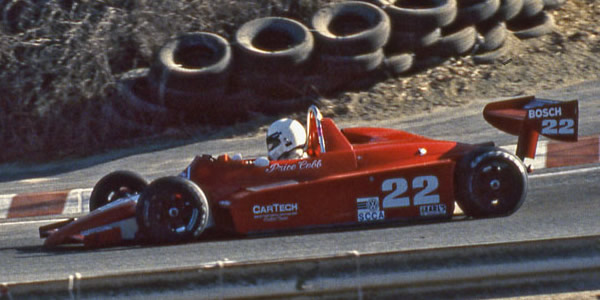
point(272, 55)
point(190, 71)
point(350, 37)
point(201, 77)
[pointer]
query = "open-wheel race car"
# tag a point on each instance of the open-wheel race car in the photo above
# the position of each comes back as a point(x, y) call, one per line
point(348, 177)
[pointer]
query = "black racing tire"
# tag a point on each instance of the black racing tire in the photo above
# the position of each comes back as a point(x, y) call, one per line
point(476, 11)
point(456, 40)
point(491, 56)
point(172, 210)
point(349, 66)
point(399, 63)
point(490, 182)
point(402, 41)
point(536, 26)
point(196, 63)
point(508, 9)
point(493, 35)
point(133, 108)
point(273, 44)
point(553, 4)
point(115, 185)
point(350, 28)
point(411, 15)
point(132, 86)
point(530, 8)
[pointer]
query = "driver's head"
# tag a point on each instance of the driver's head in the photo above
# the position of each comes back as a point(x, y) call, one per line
point(286, 139)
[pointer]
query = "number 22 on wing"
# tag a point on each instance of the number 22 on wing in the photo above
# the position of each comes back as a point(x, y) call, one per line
point(426, 187)
point(562, 126)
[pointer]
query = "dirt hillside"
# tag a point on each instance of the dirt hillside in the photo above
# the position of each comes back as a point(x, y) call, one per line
point(58, 93)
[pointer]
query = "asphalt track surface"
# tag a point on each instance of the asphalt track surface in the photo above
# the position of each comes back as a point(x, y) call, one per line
point(561, 202)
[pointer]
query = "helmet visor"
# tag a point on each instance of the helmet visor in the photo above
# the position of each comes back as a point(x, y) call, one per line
point(273, 141)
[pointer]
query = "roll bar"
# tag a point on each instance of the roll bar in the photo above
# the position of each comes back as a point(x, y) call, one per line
point(314, 114)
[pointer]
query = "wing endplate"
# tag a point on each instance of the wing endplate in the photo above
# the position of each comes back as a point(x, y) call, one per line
point(527, 117)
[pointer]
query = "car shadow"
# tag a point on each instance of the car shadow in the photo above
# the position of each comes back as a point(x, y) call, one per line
point(210, 237)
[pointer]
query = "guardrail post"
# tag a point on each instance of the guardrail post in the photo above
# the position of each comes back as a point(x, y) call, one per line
point(221, 266)
point(4, 291)
point(356, 255)
point(75, 284)
point(70, 286)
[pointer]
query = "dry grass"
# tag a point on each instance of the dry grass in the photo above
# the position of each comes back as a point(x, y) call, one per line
point(60, 60)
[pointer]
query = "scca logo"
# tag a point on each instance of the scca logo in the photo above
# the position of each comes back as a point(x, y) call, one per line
point(544, 112)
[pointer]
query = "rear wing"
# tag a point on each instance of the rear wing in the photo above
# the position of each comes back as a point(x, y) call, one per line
point(527, 117)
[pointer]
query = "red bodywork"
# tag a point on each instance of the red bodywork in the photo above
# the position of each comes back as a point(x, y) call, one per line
point(325, 189)
point(350, 176)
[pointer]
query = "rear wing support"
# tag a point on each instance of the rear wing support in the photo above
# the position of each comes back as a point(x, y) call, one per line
point(315, 142)
point(529, 117)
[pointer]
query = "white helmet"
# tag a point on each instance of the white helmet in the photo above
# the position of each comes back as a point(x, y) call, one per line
point(286, 139)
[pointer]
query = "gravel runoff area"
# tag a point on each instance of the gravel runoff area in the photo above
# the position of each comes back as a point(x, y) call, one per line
point(570, 54)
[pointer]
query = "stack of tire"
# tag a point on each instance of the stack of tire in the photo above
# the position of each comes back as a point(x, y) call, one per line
point(438, 29)
point(488, 20)
point(191, 73)
point(533, 20)
point(350, 37)
point(416, 28)
point(196, 73)
point(188, 81)
point(272, 56)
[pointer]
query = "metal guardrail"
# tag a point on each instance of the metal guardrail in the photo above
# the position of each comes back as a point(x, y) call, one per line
point(415, 272)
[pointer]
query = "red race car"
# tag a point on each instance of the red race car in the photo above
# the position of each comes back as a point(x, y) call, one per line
point(350, 176)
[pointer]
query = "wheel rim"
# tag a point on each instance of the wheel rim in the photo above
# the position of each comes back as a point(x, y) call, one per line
point(174, 213)
point(496, 185)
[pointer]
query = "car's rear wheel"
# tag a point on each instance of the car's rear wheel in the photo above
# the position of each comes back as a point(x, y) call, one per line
point(490, 182)
point(172, 210)
point(115, 185)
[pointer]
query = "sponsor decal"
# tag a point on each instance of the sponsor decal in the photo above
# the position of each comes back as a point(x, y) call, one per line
point(275, 211)
point(561, 126)
point(545, 112)
point(368, 209)
point(296, 166)
point(432, 210)
point(425, 188)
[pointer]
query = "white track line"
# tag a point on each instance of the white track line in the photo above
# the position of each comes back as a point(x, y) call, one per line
point(77, 201)
point(37, 180)
point(5, 202)
point(569, 172)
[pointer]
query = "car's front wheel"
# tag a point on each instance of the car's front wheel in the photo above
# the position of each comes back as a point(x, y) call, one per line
point(490, 182)
point(115, 185)
point(172, 210)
